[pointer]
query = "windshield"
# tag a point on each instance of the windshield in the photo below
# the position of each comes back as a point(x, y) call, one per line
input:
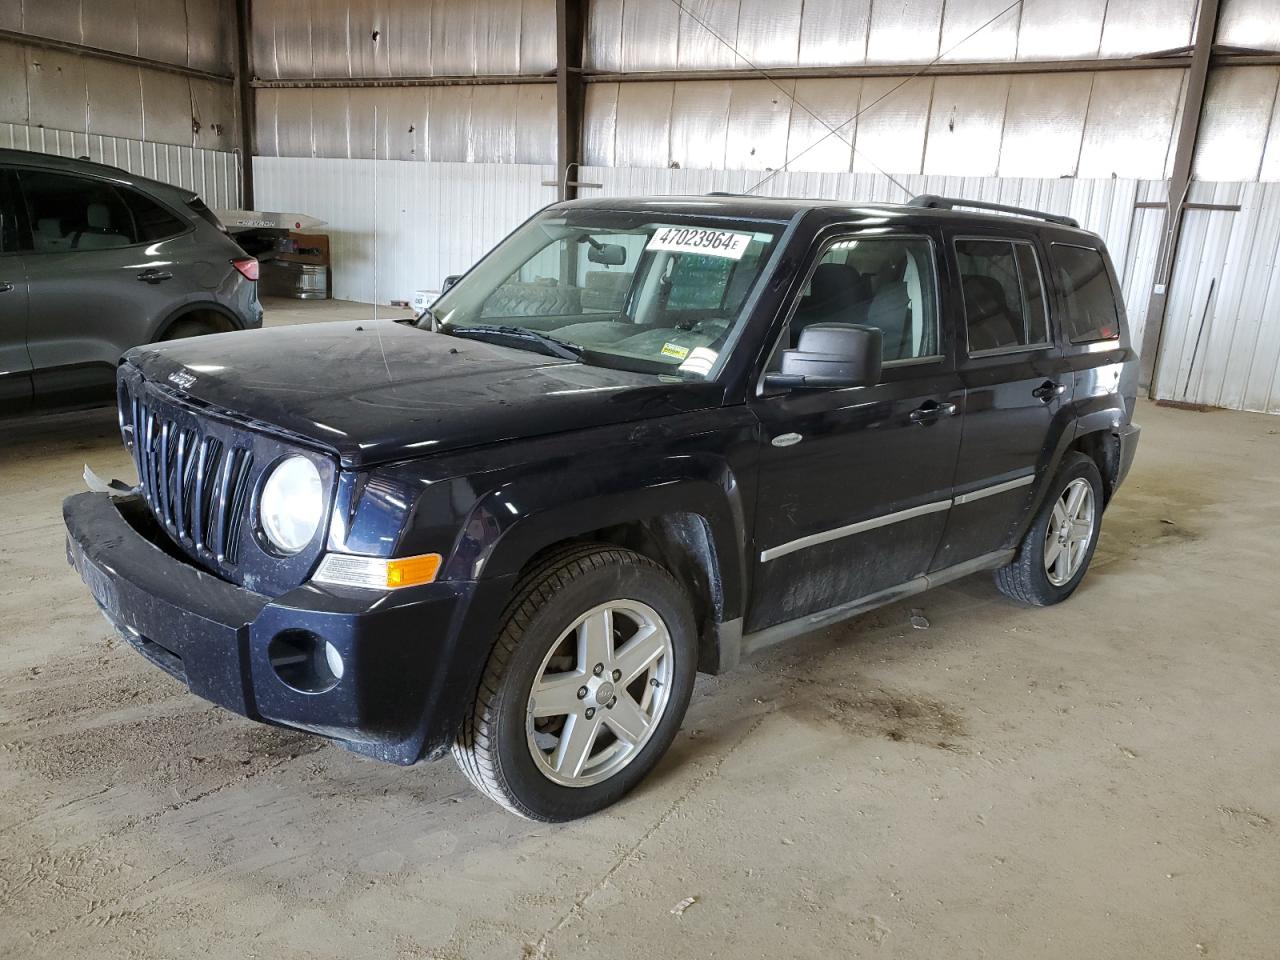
point(618, 289)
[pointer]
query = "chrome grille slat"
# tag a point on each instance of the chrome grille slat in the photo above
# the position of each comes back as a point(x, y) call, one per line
point(197, 485)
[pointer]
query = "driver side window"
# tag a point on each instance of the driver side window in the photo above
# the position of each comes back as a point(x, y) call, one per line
point(887, 283)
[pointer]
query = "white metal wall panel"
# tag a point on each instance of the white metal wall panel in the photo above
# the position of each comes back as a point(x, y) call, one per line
point(603, 44)
point(1249, 23)
point(183, 32)
point(1130, 123)
point(650, 33)
point(810, 143)
point(965, 125)
point(657, 35)
point(65, 91)
point(1221, 342)
point(642, 137)
point(1040, 125)
point(1271, 150)
point(700, 23)
point(1134, 27)
point(400, 227)
point(905, 31)
point(1043, 125)
point(491, 124)
point(699, 124)
point(599, 124)
point(1053, 30)
point(215, 175)
point(757, 136)
point(1239, 104)
point(834, 32)
point(13, 83)
point(891, 133)
point(396, 38)
point(769, 31)
point(964, 38)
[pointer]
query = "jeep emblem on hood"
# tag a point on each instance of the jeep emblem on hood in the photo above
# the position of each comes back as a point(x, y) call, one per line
point(182, 379)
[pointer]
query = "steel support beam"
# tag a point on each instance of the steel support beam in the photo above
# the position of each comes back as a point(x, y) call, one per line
point(571, 18)
point(246, 101)
point(83, 49)
point(1179, 184)
point(898, 70)
point(320, 83)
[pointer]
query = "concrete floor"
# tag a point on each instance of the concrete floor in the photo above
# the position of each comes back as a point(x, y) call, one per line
point(1094, 780)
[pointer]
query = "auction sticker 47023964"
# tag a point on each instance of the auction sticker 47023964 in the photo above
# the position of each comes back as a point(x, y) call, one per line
point(713, 243)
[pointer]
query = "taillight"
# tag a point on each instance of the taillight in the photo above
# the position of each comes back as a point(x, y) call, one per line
point(248, 267)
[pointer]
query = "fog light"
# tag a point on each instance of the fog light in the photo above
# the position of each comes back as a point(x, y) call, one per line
point(334, 659)
point(304, 662)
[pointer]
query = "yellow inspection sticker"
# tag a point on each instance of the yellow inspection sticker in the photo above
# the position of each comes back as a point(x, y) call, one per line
point(674, 350)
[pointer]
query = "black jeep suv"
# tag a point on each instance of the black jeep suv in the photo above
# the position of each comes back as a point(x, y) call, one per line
point(639, 439)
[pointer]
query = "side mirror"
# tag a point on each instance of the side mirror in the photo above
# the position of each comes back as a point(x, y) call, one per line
point(449, 281)
point(609, 254)
point(830, 355)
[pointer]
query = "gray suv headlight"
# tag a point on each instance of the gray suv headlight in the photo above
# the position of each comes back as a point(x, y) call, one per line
point(291, 507)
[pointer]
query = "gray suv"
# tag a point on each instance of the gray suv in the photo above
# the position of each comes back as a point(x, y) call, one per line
point(94, 261)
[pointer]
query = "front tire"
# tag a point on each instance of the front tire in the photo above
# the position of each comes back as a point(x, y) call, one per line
point(586, 686)
point(1056, 551)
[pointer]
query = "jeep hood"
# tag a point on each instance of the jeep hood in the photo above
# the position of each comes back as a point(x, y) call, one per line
point(376, 390)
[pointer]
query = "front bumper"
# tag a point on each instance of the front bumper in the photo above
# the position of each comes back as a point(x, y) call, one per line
point(412, 658)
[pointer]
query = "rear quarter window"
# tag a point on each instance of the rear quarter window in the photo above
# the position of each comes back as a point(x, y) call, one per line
point(153, 222)
point(1091, 310)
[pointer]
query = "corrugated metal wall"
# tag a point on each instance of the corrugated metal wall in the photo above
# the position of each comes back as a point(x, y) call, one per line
point(67, 91)
point(636, 35)
point(400, 227)
point(98, 97)
point(189, 33)
point(1079, 124)
point(214, 174)
point(484, 124)
point(1221, 342)
point(403, 38)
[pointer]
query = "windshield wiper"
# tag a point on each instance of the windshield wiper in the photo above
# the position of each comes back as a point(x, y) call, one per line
point(548, 345)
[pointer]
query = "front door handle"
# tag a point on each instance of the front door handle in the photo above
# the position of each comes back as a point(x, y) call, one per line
point(932, 411)
point(5, 286)
point(154, 276)
point(1048, 390)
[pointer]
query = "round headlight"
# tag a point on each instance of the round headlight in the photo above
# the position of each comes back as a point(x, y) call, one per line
point(292, 504)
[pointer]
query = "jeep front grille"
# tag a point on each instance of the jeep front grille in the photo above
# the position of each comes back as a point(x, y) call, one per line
point(196, 485)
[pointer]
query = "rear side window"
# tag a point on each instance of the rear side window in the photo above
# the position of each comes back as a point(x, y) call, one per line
point(1091, 313)
point(151, 221)
point(1004, 301)
point(74, 213)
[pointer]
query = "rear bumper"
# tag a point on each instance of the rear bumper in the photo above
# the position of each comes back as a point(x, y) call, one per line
point(1128, 435)
point(411, 659)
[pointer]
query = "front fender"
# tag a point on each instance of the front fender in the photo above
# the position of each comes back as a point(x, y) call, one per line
point(512, 523)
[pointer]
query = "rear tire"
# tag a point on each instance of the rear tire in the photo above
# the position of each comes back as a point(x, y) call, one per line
point(1057, 548)
point(594, 618)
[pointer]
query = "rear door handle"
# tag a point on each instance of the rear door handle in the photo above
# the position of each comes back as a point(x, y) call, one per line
point(5, 286)
point(932, 411)
point(1048, 390)
point(154, 276)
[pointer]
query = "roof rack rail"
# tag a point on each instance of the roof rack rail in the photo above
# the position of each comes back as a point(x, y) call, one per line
point(933, 201)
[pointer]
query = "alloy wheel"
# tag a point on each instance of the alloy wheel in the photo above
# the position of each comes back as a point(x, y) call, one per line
point(600, 693)
point(1070, 533)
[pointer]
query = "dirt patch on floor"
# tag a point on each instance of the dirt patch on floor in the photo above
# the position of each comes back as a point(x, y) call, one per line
point(890, 714)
